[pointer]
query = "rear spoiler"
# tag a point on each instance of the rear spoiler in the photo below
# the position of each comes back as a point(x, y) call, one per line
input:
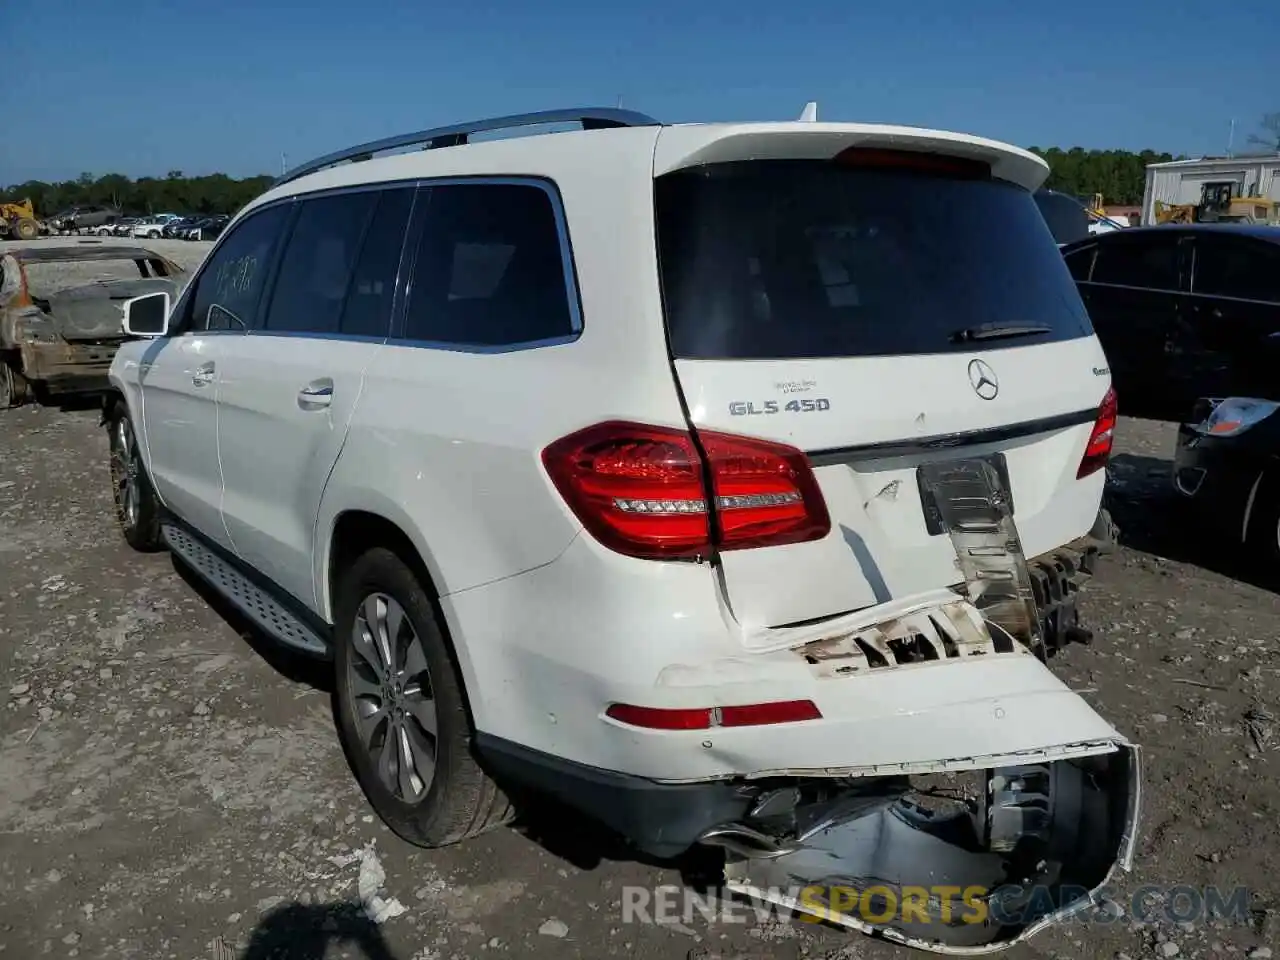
point(690, 145)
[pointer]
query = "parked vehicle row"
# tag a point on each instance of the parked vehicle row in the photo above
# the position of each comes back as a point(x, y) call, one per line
point(616, 465)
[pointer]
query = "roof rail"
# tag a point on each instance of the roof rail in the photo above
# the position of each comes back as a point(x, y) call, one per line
point(591, 118)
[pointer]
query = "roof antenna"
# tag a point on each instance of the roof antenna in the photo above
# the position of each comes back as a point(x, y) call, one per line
point(810, 112)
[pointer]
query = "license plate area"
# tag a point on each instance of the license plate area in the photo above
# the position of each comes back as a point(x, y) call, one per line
point(933, 517)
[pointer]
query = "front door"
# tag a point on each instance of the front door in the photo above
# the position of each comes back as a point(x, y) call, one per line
point(1132, 295)
point(178, 378)
point(184, 372)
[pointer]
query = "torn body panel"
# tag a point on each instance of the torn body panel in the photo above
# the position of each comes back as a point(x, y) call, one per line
point(1036, 845)
point(1048, 823)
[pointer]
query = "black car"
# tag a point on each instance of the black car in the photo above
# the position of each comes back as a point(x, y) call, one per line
point(1184, 312)
point(1225, 464)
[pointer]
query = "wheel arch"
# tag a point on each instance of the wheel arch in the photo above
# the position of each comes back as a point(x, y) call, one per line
point(353, 530)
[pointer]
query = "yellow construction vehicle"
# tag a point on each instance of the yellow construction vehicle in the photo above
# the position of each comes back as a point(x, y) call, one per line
point(1220, 203)
point(18, 221)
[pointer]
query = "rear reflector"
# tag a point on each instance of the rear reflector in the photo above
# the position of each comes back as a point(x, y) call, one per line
point(1101, 440)
point(707, 718)
point(961, 168)
point(641, 490)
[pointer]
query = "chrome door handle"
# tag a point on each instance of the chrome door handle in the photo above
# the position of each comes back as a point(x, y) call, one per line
point(316, 395)
point(203, 375)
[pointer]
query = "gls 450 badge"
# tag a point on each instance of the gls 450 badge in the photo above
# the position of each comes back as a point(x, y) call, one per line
point(750, 408)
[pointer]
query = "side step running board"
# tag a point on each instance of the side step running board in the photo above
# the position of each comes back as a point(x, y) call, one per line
point(266, 612)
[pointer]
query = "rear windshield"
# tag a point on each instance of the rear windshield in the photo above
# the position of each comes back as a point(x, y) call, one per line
point(787, 259)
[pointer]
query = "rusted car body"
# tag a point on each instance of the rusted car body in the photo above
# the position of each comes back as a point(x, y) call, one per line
point(61, 313)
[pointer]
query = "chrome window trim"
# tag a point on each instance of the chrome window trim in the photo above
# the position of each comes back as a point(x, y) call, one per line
point(404, 285)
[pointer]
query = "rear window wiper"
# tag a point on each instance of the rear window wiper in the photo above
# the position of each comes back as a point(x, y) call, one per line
point(991, 331)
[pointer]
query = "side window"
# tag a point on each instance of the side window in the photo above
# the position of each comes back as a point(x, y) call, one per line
point(1227, 267)
point(228, 288)
point(317, 263)
point(1150, 262)
point(1080, 262)
point(367, 312)
point(489, 269)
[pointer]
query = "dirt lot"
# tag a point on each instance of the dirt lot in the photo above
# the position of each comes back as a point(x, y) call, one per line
point(172, 787)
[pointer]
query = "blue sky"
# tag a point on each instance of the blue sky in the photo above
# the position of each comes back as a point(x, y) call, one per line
point(228, 85)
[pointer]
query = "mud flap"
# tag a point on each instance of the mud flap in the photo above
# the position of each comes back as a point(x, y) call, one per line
point(1034, 843)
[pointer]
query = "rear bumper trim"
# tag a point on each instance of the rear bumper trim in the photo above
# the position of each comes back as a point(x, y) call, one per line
point(951, 441)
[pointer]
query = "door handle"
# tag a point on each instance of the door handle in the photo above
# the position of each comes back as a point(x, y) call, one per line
point(316, 395)
point(203, 375)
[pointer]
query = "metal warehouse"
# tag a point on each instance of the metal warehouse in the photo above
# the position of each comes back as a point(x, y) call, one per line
point(1181, 181)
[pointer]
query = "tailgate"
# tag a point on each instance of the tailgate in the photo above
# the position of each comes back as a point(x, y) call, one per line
point(878, 319)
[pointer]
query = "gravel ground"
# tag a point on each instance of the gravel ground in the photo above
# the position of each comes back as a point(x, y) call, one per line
point(171, 786)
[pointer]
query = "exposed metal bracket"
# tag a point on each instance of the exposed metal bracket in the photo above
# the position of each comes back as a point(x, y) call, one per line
point(590, 118)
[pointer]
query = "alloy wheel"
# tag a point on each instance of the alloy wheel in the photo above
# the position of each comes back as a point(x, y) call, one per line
point(395, 711)
point(128, 491)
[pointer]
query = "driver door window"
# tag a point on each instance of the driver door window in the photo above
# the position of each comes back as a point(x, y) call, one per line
point(228, 291)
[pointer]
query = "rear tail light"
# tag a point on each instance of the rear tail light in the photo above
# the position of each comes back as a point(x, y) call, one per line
point(642, 490)
point(1098, 450)
point(707, 718)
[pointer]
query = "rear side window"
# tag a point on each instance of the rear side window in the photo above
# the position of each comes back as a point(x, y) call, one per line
point(318, 262)
point(370, 294)
point(230, 285)
point(1237, 267)
point(489, 270)
point(1147, 260)
point(789, 259)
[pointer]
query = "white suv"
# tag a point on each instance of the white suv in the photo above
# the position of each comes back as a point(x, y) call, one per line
point(684, 473)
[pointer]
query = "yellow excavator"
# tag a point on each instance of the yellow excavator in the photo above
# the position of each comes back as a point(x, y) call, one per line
point(1220, 203)
point(18, 221)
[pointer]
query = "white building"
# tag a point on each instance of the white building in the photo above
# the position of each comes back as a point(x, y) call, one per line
point(1180, 181)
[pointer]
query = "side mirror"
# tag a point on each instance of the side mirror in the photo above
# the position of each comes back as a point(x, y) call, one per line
point(147, 315)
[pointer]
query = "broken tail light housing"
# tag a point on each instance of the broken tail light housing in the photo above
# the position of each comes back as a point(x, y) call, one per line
point(642, 490)
point(1102, 437)
point(708, 718)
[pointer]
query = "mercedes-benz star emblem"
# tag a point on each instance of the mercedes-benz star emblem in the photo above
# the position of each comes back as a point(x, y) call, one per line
point(983, 380)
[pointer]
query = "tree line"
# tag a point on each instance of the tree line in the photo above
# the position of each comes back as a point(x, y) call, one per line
point(1119, 175)
point(173, 193)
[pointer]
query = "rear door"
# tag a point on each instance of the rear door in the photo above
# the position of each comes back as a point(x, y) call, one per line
point(879, 318)
point(293, 382)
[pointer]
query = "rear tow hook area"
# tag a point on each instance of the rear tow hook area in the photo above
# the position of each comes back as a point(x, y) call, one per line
point(929, 864)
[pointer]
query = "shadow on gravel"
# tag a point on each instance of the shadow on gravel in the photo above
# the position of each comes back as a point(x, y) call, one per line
point(585, 844)
point(1153, 519)
point(294, 667)
point(298, 931)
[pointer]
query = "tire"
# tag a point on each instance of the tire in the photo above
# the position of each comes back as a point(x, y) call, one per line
point(14, 388)
point(443, 797)
point(154, 235)
point(25, 229)
point(104, 232)
point(138, 508)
